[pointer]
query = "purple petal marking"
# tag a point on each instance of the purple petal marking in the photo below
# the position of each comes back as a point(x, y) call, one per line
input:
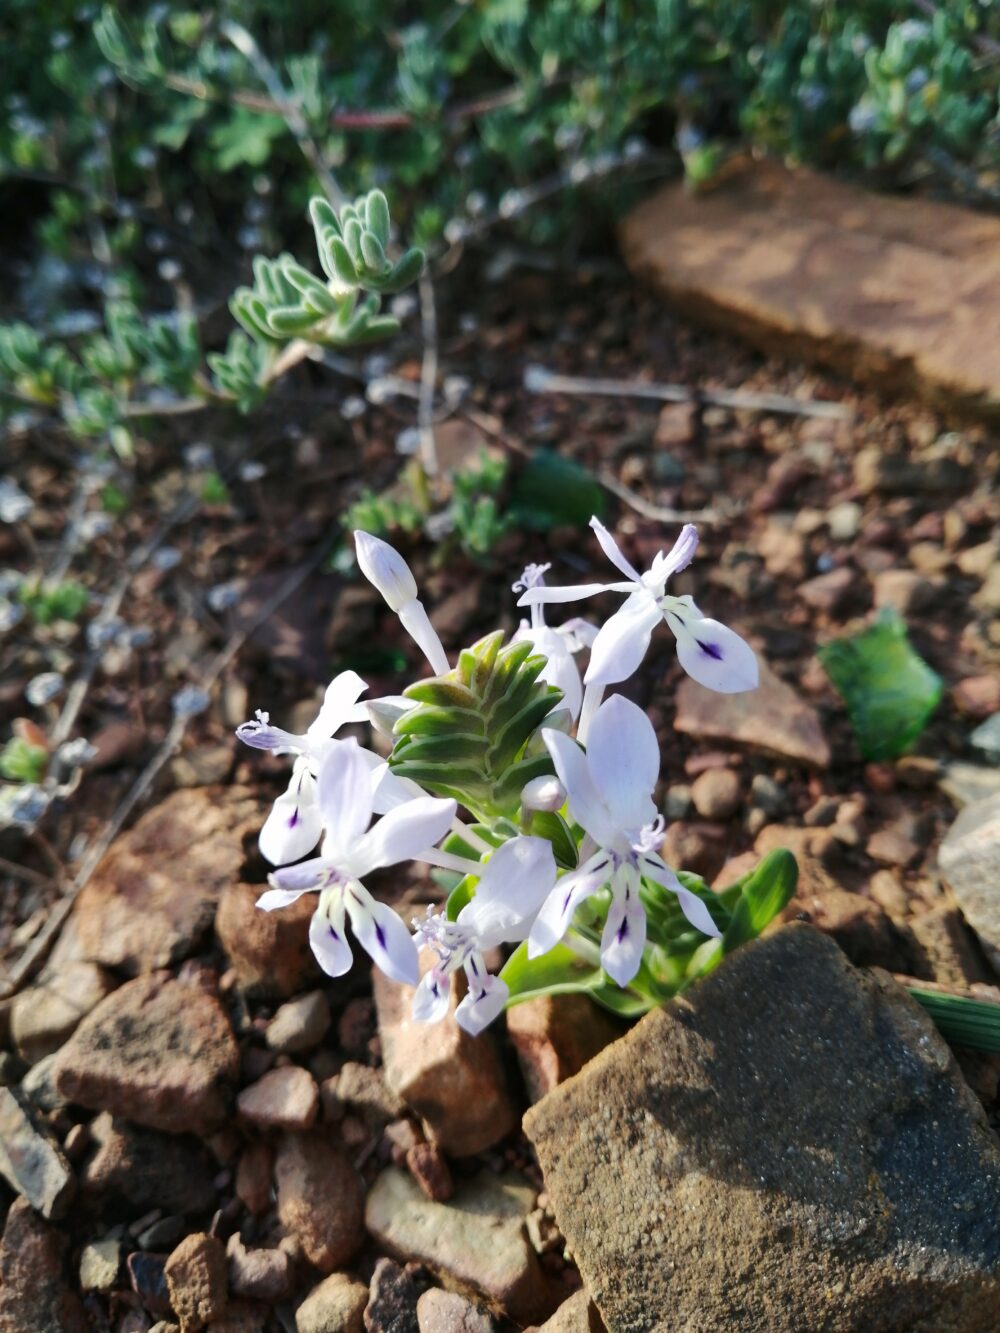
point(380, 935)
point(710, 649)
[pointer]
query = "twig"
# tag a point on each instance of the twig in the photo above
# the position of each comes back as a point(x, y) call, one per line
point(539, 380)
point(658, 513)
point(428, 376)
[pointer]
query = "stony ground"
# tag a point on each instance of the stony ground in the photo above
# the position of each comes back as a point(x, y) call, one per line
point(205, 1130)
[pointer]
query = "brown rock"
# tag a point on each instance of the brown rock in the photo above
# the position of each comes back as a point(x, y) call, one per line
point(771, 718)
point(828, 592)
point(43, 1016)
point(446, 1312)
point(428, 1167)
point(977, 696)
point(29, 1161)
point(970, 863)
point(904, 590)
point(269, 951)
point(197, 1280)
point(285, 1098)
point(300, 1024)
point(577, 1315)
point(153, 898)
point(455, 1083)
point(717, 793)
point(366, 1092)
point(156, 1051)
point(337, 1305)
point(899, 291)
point(946, 951)
point(260, 1274)
point(867, 936)
point(253, 1177)
point(897, 844)
point(34, 1295)
point(782, 1148)
point(554, 1037)
point(698, 847)
point(320, 1199)
point(133, 1170)
point(392, 1300)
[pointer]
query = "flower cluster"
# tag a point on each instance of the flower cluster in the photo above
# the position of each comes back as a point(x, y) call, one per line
point(524, 785)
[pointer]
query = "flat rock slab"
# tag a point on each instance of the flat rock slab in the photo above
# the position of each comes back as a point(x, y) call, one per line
point(969, 858)
point(771, 718)
point(156, 1051)
point(153, 898)
point(30, 1162)
point(476, 1241)
point(904, 293)
point(788, 1147)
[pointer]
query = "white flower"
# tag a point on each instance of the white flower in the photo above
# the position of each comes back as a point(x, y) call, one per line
point(387, 571)
point(557, 646)
point(512, 886)
point(350, 851)
point(610, 794)
point(712, 654)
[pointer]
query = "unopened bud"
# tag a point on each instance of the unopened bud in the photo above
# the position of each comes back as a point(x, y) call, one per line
point(384, 713)
point(386, 570)
point(545, 793)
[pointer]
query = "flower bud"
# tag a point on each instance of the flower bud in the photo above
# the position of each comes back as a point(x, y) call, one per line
point(545, 793)
point(384, 713)
point(385, 569)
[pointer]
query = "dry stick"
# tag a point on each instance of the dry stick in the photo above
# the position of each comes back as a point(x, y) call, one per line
point(428, 376)
point(32, 957)
point(539, 380)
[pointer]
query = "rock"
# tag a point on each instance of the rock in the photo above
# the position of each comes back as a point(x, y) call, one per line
point(813, 1123)
point(30, 1162)
point(163, 1234)
point(365, 1091)
point(148, 1281)
point(986, 739)
point(861, 928)
point(253, 1177)
point(202, 766)
point(243, 1317)
point(455, 1083)
point(717, 793)
point(197, 1280)
point(969, 858)
point(269, 951)
point(152, 901)
point(577, 1315)
point(337, 1305)
point(43, 1016)
point(155, 1051)
point(677, 425)
point(446, 1312)
point(476, 1241)
point(988, 596)
point(100, 1262)
point(392, 1300)
point(429, 1168)
point(782, 549)
point(945, 950)
point(134, 1170)
point(905, 590)
point(285, 1098)
point(263, 1275)
point(828, 592)
point(771, 718)
point(885, 888)
point(699, 847)
point(966, 783)
point(38, 1085)
point(554, 1037)
point(34, 1296)
point(889, 290)
point(898, 843)
point(300, 1024)
point(844, 520)
point(977, 696)
point(320, 1198)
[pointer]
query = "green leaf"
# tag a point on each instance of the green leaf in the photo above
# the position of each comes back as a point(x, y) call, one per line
point(555, 490)
point(245, 139)
point(888, 689)
point(962, 1020)
point(558, 972)
point(764, 894)
point(377, 216)
point(548, 824)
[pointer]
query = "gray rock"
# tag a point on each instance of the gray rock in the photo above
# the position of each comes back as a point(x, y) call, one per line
point(336, 1305)
point(30, 1162)
point(446, 1312)
point(44, 1015)
point(969, 858)
point(965, 783)
point(100, 1262)
point(392, 1300)
point(34, 1295)
point(986, 739)
point(300, 1024)
point(788, 1147)
point(133, 1170)
point(476, 1240)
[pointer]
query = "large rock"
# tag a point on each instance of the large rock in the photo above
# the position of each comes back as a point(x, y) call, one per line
point(156, 1051)
point(555, 1036)
point(576, 1315)
point(44, 1015)
point(475, 1241)
point(969, 858)
point(790, 1146)
point(337, 1305)
point(30, 1162)
point(455, 1083)
point(197, 1279)
point(34, 1294)
point(772, 718)
point(320, 1199)
point(269, 951)
point(133, 1170)
point(901, 291)
point(152, 900)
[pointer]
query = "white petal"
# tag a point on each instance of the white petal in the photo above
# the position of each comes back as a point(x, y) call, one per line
point(562, 671)
point(613, 551)
point(711, 653)
point(482, 1005)
point(680, 555)
point(585, 804)
point(299, 879)
point(345, 795)
point(625, 929)
point(430, 1003)
point(340, 706)
point(403, 833)
point(385, 569)
point(415, 621)
point(573, 592)
point(329, 942)
point(383, 936)
point(294, 825)
point(691, 905)
point(622, 641)
point(514, 884)
point(271, 899)
point(624, 760)
point(578, 633)
point(554, 919)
